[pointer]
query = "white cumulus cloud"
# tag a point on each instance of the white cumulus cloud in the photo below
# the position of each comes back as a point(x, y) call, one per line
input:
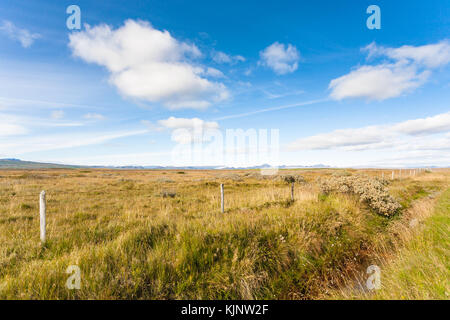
point(404, 69)
point(430, 56)
point(149, 64)
point(407, 134)
point(425, 126)
point(280, 58)
point(377, 82)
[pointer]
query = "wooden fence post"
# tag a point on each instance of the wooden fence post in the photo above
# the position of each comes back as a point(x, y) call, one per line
point(222, 205)
point(42, 215)
point(292, 191)
point(392, 175)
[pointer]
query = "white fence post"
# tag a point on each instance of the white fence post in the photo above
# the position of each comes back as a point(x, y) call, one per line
point(292, 191)
point(42, 215)
point(222, 205)
point(392, 175)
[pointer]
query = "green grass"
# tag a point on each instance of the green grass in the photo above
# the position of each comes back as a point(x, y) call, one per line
point(421, 270)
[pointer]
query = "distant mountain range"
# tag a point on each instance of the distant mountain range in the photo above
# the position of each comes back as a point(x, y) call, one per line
point(19, 164)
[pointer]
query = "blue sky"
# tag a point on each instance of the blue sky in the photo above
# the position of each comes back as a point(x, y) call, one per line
point(140, 75)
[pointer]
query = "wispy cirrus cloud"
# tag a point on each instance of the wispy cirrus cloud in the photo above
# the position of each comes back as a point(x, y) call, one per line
point(186, 130)
point(94, 116)
point(57, 114)
point(403, 69)
point(222, 57)
point(187, 123)
point(24, 36)
point(28, 144)
point(414, 157)
point(14, 125)
point(11, 129)
point(11, 125)
point(271, 109)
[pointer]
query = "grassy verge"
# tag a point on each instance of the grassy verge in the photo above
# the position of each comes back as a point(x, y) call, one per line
point(416, 265)
point(421, 269)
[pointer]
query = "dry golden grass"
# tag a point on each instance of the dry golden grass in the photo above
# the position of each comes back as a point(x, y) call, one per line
point(160, 234)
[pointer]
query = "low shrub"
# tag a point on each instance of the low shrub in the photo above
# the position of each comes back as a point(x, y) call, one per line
point(230, 176)
point(288, 178)
point(168, 194)
point(26, 206)
point(165, 180)
point(371, 191)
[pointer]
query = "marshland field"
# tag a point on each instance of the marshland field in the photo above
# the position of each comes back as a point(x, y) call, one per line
point(160, 234)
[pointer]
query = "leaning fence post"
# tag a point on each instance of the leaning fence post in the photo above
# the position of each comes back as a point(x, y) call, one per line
point(42, 215)
point(222, 205)
point(292, 191)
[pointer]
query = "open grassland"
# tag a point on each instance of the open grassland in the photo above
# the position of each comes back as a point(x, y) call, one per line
point(160, 234)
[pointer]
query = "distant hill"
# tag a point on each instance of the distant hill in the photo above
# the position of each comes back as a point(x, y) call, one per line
point(19, 164)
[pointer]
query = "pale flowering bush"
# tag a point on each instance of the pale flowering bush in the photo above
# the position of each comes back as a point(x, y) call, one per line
point(371, 191)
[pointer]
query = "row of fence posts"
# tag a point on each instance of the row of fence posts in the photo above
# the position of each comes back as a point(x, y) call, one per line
point(42, 205)
point(42, 209)
point(411, 173)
